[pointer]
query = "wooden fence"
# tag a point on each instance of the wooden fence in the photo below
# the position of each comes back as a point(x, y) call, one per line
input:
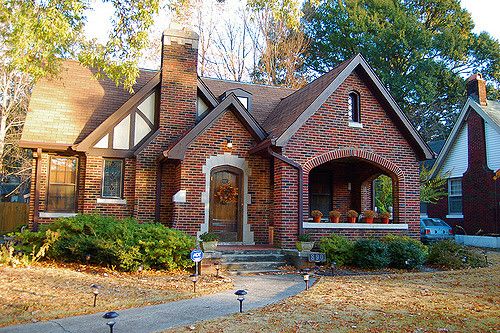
point(12, 215)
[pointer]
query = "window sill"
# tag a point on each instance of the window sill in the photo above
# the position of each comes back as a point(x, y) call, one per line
point(455, 216)
point(355, 124)
point(55, 215)
point(111, 201)
point(326, 225)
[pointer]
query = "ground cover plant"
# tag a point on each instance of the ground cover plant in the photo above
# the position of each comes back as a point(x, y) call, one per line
point(123, 244)
point(446, 301)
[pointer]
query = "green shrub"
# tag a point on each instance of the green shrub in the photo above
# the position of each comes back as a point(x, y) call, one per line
point(405, 252)
point(304, 238)
point(371, 253)
point(125, 244)
point(337, 248)
point(449, 254)
point(209, 237)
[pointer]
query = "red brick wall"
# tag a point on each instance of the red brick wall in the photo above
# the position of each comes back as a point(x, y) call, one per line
point(327, 131)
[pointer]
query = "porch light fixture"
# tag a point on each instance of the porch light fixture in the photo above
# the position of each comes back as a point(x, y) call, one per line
point(110, 315)
point(194, 279)
point(229, 142)
point(241, 297)
point(306, 279)
point(95, 290)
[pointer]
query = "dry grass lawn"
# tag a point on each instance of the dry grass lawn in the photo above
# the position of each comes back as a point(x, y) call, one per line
point(47, 291)
point(454, 301)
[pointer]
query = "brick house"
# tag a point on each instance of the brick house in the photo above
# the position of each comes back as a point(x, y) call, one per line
point(244, 160)
point(471, 154)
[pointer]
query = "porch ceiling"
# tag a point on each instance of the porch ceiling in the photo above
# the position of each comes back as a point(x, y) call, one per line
point(350, 168)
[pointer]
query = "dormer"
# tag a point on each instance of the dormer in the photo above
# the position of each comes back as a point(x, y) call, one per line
point(243, 96)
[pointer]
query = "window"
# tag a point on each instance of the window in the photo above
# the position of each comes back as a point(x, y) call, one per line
point(112, 180)
point(353, 107)
point(61, 194)
point(455, 196)
point(320, 192)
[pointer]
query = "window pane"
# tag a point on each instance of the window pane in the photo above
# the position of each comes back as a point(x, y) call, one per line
point(455, 186)
point(121, 134)
point(61, 198)
point(455, 205)
point(112, 180)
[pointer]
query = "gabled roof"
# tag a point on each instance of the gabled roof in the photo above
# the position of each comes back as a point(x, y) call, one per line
point(65, 110)
point(264, 98)
point(294, 110)
point(178, 149)
point(490, 114)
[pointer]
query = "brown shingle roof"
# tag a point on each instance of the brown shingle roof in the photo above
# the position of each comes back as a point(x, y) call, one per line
point(291, 107)
point(265, 98)
point(64, 110)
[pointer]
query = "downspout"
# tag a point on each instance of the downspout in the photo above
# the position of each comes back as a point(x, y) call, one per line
point(300, 183)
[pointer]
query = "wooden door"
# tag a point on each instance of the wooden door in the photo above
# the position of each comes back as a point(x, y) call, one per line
point(226, 203)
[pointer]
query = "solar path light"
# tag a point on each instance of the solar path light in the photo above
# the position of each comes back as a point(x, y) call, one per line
point(241, 297)
point(95, 290)
point(306, 279)
point(217, 268)
point(194, 279)
point(111, 323)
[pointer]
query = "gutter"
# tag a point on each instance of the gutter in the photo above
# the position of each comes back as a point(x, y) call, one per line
point(300, 190)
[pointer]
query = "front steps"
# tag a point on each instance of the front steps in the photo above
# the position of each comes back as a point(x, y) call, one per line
point(251, 261)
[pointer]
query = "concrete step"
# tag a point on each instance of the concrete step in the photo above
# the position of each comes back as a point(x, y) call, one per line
point(249, 272)
point(227, 258)
point(262, 266)
point(270, 251)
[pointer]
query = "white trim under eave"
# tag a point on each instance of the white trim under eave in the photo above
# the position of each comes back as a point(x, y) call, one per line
point(377, 226)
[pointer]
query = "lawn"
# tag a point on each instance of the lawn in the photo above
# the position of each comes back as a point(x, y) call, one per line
point(46, 291)
point(453, 301)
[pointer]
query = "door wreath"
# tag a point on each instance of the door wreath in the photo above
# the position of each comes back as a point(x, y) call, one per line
point(226, 193)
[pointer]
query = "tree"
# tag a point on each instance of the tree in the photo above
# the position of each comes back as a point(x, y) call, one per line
point(35, 36)
point(432, 188)
point(421, 49)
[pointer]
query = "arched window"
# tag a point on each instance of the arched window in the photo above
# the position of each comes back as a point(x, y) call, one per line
point(353, 106)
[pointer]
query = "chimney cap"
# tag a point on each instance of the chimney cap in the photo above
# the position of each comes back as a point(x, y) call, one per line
point(176, 30)
point(475, 77)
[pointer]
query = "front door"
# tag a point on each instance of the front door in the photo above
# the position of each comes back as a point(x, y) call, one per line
point(226, 203)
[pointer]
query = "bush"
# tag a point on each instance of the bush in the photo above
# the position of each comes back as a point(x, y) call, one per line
point(209, 237)
point(449, 254)
point(405, 252)
point(125, 244)
point(337, 248)
point(304, 238)
point(371, 253)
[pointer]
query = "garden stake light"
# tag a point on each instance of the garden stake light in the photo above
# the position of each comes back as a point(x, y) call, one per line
point(87, 259)
point(333, 266)
point(194, 278)
point(95, 290)
point(241, 297)
point(217, 267)
point(110, 315)
point(306, 280)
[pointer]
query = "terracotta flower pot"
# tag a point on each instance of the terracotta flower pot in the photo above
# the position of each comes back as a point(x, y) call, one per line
point(385, 220)
point(317, 219)
point(334, 219)
point(351, 219)
point(369, 220)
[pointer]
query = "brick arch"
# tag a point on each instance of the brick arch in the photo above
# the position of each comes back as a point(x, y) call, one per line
point(358, 153)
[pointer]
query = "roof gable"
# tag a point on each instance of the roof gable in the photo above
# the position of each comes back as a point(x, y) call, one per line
point(490, 114)
point(294, 110)
point(178, 150)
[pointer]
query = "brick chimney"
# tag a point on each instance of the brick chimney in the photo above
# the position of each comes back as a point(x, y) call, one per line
point(178, 81)
point(476, 88)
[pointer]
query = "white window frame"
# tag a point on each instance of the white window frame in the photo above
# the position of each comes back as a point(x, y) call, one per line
point(454, 195)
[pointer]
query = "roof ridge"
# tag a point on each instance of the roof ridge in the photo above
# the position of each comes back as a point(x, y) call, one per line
point(247, 83)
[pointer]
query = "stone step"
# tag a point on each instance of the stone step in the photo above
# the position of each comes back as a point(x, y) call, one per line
point(227, 258)
point(249, 272)
point(237, 252)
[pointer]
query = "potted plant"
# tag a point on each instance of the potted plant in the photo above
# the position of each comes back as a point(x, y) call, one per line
point(352, 215)
point(334, 216)
point(209, 241)
point(317, 215)
point(304, 243)
point(384, 216)
point(368, 216)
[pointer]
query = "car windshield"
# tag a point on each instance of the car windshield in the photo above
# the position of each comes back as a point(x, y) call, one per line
point(434, 223)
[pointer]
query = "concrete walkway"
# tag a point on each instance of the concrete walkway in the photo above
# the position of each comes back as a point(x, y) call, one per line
point(262, 290)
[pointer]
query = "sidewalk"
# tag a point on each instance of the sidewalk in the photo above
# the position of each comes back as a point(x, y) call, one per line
point(262, 290)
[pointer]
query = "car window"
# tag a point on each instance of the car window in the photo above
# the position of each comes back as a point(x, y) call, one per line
point(428, 222)
point(440, 223)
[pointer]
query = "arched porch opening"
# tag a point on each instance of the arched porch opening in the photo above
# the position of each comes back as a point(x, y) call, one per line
point(351, 182)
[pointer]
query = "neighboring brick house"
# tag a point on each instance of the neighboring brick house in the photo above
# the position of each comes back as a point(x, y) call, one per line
point(244, 160)
point(471, 154)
